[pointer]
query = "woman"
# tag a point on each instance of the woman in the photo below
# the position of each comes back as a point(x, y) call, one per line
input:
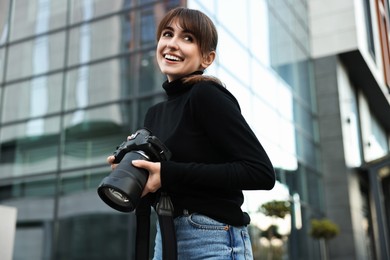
point(215, 154)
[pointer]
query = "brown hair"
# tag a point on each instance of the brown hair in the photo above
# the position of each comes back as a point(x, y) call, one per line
point(195, 22)
point(201, 26)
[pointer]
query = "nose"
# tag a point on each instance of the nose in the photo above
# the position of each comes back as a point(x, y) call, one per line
point(173, 43)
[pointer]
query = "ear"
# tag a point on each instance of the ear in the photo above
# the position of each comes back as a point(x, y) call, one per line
point(208, 59)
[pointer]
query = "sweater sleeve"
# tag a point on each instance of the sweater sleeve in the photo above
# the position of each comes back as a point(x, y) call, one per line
point(247, 166)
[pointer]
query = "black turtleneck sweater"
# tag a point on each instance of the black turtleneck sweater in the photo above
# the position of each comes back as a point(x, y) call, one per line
point(215, 154)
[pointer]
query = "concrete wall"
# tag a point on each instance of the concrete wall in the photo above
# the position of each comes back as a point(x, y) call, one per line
point(7, 232)
point(332, 26)
point(336, 183)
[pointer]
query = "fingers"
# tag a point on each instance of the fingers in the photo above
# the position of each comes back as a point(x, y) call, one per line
point(154, 180)
point(142, 164)
point(110, 159)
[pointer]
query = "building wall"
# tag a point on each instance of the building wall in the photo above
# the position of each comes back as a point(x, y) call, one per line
point(333, 27)
point(341, 153)
point(353, 127)
point(7, 231)
point(78, 76)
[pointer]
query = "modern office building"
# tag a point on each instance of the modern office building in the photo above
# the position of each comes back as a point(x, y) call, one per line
point(312, 79)
point(350, 51)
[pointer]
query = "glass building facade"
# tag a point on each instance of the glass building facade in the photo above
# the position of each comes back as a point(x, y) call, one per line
point(78, 76)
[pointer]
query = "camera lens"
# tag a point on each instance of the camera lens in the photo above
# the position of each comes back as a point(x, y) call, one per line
point(122, 189)
point(116, 196)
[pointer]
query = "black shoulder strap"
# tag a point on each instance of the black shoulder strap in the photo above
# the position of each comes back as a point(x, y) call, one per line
point(164, 209)
point(143, 230)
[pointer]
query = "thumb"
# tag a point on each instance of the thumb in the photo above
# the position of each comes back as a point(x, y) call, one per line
point(140, 163)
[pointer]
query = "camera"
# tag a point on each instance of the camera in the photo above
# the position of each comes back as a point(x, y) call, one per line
point(122, 189)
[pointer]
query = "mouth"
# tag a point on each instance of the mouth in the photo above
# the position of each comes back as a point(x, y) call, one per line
point(171, 57)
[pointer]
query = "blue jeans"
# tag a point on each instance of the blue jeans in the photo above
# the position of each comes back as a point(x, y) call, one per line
point(201, 237)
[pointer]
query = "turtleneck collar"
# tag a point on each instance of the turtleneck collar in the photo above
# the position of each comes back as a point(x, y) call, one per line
point(177, 86)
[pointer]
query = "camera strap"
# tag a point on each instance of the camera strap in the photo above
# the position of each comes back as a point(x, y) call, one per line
point(165, 211)
point(142, 213)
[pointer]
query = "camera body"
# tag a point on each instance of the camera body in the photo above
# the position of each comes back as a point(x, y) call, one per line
point(122, 189)
point(143, 140)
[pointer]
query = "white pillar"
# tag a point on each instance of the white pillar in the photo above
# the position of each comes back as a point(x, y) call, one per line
point(7, 231)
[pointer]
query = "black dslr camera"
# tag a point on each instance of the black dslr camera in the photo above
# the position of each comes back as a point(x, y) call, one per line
point(122, 189)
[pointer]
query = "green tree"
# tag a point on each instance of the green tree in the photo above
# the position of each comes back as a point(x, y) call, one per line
point(323, 230)
point(275, 209)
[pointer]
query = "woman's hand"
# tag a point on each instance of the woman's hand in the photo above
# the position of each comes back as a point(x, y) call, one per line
point(154, 180)
point(110, 160)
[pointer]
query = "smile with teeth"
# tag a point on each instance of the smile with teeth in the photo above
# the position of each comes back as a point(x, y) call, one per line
point(173, 58)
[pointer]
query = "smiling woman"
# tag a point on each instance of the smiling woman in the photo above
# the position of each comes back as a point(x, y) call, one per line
point(179, 51)
point(215, 154)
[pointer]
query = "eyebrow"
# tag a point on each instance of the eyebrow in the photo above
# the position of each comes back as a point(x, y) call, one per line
point(184, 31)
point(168, 28)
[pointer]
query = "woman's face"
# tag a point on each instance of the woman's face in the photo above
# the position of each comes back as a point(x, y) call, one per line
point(178, 53)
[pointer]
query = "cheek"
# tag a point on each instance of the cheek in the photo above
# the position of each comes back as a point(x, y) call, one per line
point(160, 46)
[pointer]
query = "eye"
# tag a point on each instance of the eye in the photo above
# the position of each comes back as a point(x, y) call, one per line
point(166, 34)
point(188, 38)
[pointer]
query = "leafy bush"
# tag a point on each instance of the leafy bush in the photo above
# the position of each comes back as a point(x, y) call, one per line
point(276, 208)
point(323, 228)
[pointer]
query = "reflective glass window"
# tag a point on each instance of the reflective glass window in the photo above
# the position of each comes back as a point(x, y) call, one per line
point(37, 187)
point(148, 26)
point(79, 181)
point(40, 55)
point(388, 8)
point(29, 148)
point(79, 237)
point(84, 10)
point(36, 16)
point(29, 242)
point(97, 83)
point(300, 8)
point(112, 36)
point(286, 134)
point(2, 56)
point(96, 40)
point(150, 77)
point(378, 140)
point(269, 115)
point(4, 7)
point(260, 31)
point(283, 11)
point(230, 61)
point(116, 79)
point(303, 83)
point(33, 197)
point(232, 26)
point(306, 150)
point(369, 28)
point(91, 135)
point(303, 118)
point(301, 34)
point(314, 189)
point(351, 125)
point(265, 83)
point(285, 102)
point(36, 97)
